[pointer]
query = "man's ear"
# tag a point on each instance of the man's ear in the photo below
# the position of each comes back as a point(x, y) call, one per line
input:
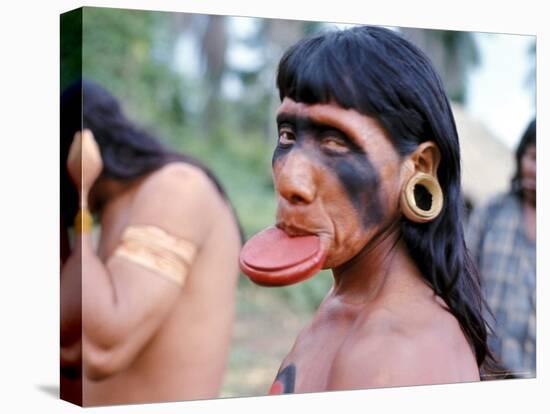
point(426, 158)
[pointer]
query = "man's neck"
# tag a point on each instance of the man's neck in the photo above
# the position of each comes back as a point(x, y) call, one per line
point(382, 266)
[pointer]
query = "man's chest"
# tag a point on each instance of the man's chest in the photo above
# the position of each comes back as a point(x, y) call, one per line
point(307, 367)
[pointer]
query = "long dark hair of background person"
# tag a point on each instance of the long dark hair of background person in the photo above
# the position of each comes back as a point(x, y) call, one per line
point(128, 151)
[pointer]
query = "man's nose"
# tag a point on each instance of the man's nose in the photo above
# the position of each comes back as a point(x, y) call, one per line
point(295, 179)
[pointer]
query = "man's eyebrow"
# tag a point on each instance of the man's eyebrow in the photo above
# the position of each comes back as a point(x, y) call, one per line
point(286, 117)
point(304, 121)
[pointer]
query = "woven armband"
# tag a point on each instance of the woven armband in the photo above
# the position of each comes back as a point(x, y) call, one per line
point(157, 250)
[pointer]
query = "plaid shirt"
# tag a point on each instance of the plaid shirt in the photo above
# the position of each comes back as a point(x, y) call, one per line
point(506, 261)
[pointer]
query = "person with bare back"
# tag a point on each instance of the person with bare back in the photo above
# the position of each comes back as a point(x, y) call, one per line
point(146, 315)
point(367, 175)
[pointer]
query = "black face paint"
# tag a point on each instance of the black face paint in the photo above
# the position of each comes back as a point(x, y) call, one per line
point(361, 182)
point(355, 172)
point(284, 381)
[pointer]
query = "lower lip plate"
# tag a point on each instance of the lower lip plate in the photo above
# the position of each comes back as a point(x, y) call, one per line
point(272, 258)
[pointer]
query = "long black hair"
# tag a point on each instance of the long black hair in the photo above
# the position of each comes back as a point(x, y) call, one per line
point(529, 137)
point(378, 73)
point(128, 151)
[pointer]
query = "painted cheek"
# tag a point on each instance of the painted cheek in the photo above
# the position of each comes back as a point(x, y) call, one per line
point(361, 183)
point(347, 232)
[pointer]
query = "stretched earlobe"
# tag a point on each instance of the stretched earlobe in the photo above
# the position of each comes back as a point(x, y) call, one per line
point(421, 198)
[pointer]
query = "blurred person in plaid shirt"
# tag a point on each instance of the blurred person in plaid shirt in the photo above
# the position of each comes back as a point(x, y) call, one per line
point(502, 239)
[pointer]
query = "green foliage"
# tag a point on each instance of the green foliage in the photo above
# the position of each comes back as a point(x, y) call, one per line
point(119, 53)
point(71, 47)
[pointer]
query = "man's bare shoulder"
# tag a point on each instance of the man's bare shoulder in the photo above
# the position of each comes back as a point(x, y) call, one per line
point(385, 350)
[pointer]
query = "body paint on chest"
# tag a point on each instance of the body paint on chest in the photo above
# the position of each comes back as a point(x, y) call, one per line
point(285, 381)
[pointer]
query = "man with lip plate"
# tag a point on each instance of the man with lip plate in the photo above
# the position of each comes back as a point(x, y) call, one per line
point(367, 174)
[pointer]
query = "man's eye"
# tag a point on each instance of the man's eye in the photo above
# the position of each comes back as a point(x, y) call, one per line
point(335, 144)
point(286, 137)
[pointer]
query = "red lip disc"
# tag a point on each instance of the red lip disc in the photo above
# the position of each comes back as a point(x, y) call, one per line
point(272, 258)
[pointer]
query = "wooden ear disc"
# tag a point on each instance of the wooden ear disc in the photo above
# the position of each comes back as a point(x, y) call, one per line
point(422, 198)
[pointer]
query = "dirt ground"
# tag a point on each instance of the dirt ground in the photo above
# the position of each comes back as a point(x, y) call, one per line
point(264, 331)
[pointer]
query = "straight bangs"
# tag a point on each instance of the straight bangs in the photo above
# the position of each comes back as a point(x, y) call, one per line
point(330, 68)
point(312, 72)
